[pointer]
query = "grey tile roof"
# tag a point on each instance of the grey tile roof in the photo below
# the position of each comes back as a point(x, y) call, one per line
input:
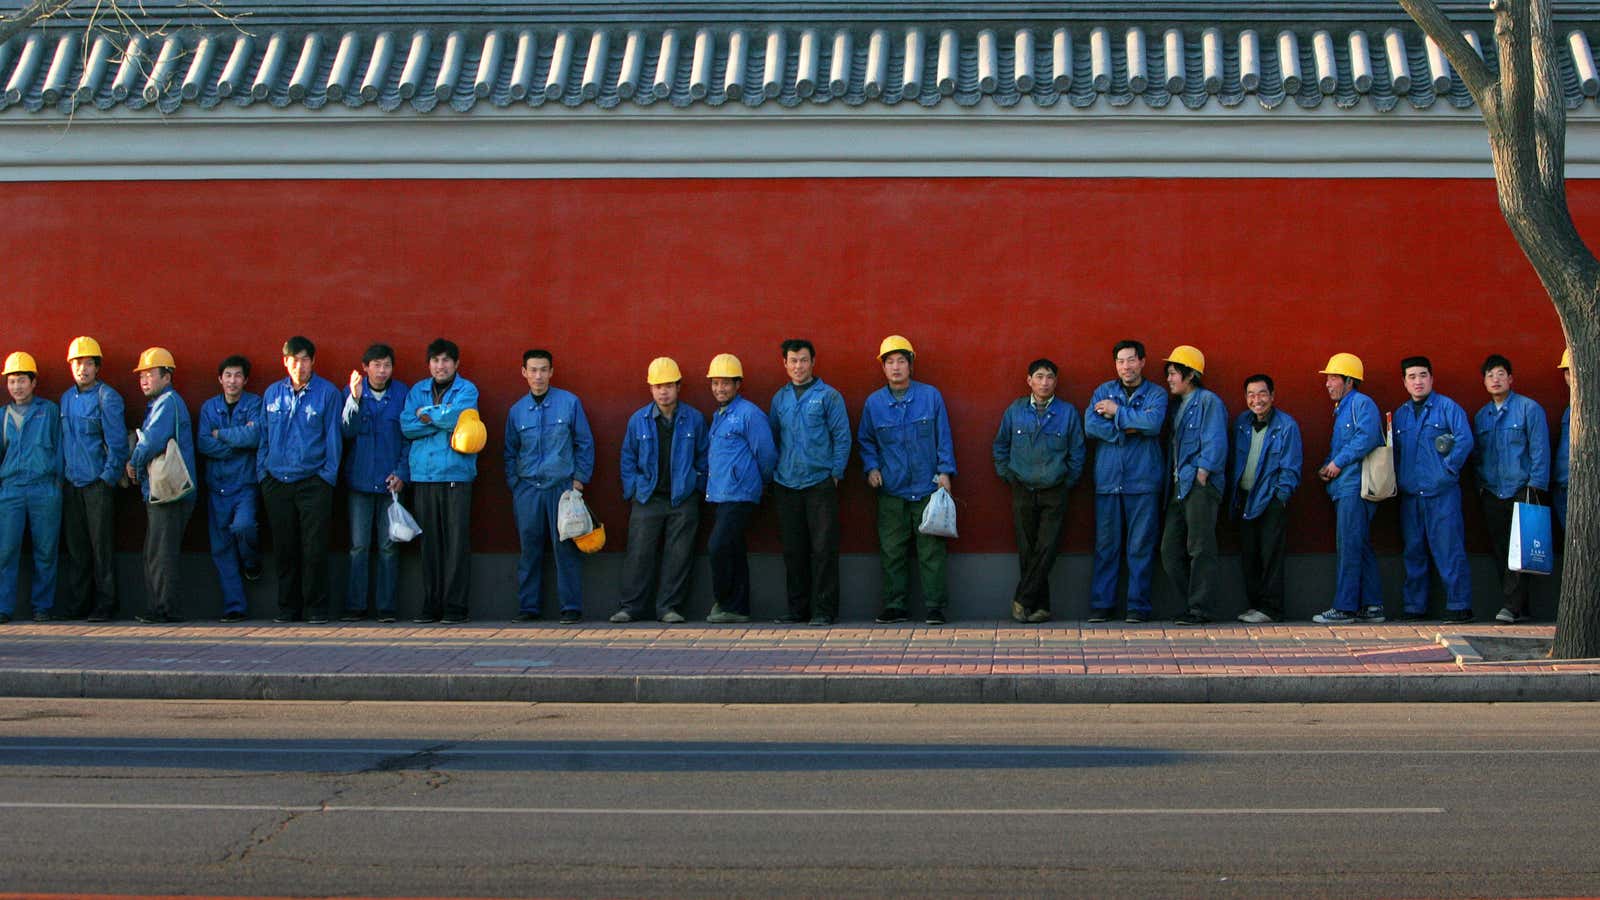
point(1094, 66)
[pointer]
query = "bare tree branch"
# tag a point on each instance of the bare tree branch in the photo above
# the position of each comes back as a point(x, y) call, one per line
point(28, 16)
point(1435, 24)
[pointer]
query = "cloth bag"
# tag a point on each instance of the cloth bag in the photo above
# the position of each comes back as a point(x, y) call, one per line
point(169, 476)
point(572, 516)
point(1531, 546)
point(1377, 469)
point(939, 516)
point(402, 526)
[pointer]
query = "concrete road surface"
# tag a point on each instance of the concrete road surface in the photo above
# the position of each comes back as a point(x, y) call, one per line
point(516, 800)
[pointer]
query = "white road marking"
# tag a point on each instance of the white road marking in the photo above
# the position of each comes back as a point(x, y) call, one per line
point(747, 751)
point(600, 811)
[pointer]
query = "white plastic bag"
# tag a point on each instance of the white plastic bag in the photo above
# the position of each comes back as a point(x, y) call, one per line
point(402, 527)
point(939, 517)
point(572, 516)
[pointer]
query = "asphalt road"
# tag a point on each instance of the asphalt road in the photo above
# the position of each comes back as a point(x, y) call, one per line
point(691, 801)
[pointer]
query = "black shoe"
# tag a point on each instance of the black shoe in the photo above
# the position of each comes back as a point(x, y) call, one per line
point(386, 618)
point(4, 618)
point(1101, 614)
point(98, 615)
point(355, 615)
point(252, 574)
point(228, 618)
point(425, 619)
point(935, 616)
point(571, 617)
point(1136, 618)
point(788, 619)
point(522, 618)
point(1192, 617)
point(891, 616)
point(1456, 616)
point(44, 616)
point(317, 619)
point(286, 618)
point(157, 619)
point(1413, 617)
point(454, 619)
point(821, 621)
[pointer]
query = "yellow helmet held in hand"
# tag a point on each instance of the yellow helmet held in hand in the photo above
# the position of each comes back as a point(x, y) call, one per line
point(591, 542)
point(469, 435)
point(83, 346)
point(155, 358)
point(725, 365)
point(1185, 355)
point(895, 342)
point(663, 370)
point(19, 362)
point(1347, 365)
point(1566, 359)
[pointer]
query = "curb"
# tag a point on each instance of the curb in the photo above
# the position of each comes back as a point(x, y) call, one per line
point(1473, 687)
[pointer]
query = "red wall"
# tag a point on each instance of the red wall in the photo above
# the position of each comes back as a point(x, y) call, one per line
point(981, 274)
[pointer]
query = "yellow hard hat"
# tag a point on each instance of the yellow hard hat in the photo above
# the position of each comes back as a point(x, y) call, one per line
point(1566, 359)
point(83, 346)
point(19, 361)
point(663, 370)
point(153, 358)
point(1185, 355)
point(592, 541)
point(469, 435)
point(1345, 364)
point(895, 342)
point(725, 365)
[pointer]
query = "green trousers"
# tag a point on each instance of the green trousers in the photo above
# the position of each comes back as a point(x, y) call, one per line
point(897, 530)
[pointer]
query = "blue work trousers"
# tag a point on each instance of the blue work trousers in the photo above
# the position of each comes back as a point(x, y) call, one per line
point(536, 526)
point(231, 522)
point(1357, 583)
point(36, 508)
point(1432, 526)
point(369, 514)
point(1124, 522)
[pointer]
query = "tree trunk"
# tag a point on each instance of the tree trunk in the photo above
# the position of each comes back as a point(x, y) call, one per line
point(1578, 619)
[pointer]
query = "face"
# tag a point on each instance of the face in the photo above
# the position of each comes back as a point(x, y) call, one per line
point(442, 368)
point(1419, 382)
point(152, 381)
point(798, 363)
point(1176, 383)
point(379, 371)
point(537, 372)
point(85, 371)
point(897, 369)
point(666, 395)
point(1567, 374)
point(20, 386)
point(723, 389)
point(1497, 381)
point(1258, 398)
point(232, 380)
point(1337, 387)
point(1042, 384)
point(299, 367)
point(1130, 368)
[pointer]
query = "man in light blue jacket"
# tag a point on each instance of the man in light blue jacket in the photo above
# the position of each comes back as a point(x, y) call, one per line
point(1124, 419)
point(30, 488)
point(229, 434)
point(441, 479)
point(95, 443)
point(549, 450)
point(376, 470)
point(1267, 455)
point(1512, 459)
point(1357, 431)
point(1199, 470)
point(1432, 442)
point(739, 464)
point(166, 419)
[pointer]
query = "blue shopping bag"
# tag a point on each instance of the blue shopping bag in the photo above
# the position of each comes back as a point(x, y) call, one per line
point(1531, 543)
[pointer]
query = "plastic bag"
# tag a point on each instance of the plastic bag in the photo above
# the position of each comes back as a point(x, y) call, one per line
point(1530, 548)
point(572, 516)
point(402, 527)
point(939, 517)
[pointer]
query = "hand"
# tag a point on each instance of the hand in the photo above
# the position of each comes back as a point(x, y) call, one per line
point(424, 418)
point(128, 470)
point(836, 481)
point(1329, 472)
point(394, 484)
point(875, 478)
point(1201, 476)
point(1107, 408)
point(942, 480)
point(217, 432)
point(355, 383)
point(577, 485)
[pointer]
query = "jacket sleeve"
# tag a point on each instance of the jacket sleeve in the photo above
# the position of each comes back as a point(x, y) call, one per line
point(1293, 461)
point(582, 444)
point(114, 431)
point(1144, 421)
point(1461, 430)
point(1097, 426)
point(761, 444)
point(248, 435)
point(1001, 449)
point(630, 451)
point(1076, 450)
point(1538, 446)
point(867, 438)
point(263, 446)
point(333, 437)
point(946, 456)
point(513, 448)
point(349, 413)
point(162, 428)
point(412, 427)
point(1214, 438)
point(1366, 433)
point(54, 425)
point(839, 430)
point(444, 415)
point(209, 447)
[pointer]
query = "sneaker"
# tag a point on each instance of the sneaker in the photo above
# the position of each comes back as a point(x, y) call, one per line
point(720, 616)
point(228, 618)
point(317, 619)
point(454, 619)
point(1134, 617)
point(1334, 617)
point(157, 619)
point(570, 617)
point(935, 616)
point(286, 618)
point(1371, 615)
point(672, 617)
point(788, 619)
point(1255, 617)
point(821, 621)
point(1100, 614)
point(1456, 616)
point(621, 617)
point(1019, 612)
point(524, 617)
point(253, 574)
point(1507, 617)
point(891, 615)
point(386, 618)
point(355, 615)
point(1038, 616)
point(1192, 617)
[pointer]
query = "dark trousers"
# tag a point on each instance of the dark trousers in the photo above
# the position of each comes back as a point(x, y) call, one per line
point(444, 511)
point(1189, 547)
point(1261, 543)
point(88, 582)
point(163, 547)
point(808, 524)
point(660, 553)
point(1497, 518)
point(898, 519)
point(1037, 516)
point(299, 513)
point(730, 563)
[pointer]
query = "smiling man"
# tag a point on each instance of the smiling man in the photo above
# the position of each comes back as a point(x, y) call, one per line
point(230, 432)
point(1264, 473)
point(1357, 430)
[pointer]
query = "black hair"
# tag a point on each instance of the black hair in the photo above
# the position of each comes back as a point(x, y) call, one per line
point(795, 345)
point(297, 345)
point(442, 347)
point(1042, 363)
point(906, 353)
point(1186, 373)
point(1412, 362)
point(1136, 346)
point(1496, 361)
point(234, 361)
point(378, 351)
point(1263, 378)
point(538, 354)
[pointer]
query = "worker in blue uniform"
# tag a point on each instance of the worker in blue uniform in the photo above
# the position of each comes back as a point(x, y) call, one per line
point(229, 433)
point(1512, 460)
point(1199, 461)
point(1267, 454)
point(740, 461)
point(1124, 420)
point(1357, 431)
point(441, 421)
point(30, 488)
point(94, 441)
point(375, 471)
point(1432, 443)
point(166, 424)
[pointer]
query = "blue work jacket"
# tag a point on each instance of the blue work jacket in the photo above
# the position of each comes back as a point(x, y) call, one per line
point(1128, 459)
point(741, 456)
point(1039, 450)
point(33, 452)
point(432, 458)
point(548, 443)
point(641, 454)
point(231, 455)
point(1277, 468)
point(166, 418)
point(300, 432)
point(1200, 441)
point(94, 437)
point(1563, 449)
point(813, 434)
point(377, 448)
point(1357, 431)
point(1513, 447)
point(1432, 448)
point(907, 440)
